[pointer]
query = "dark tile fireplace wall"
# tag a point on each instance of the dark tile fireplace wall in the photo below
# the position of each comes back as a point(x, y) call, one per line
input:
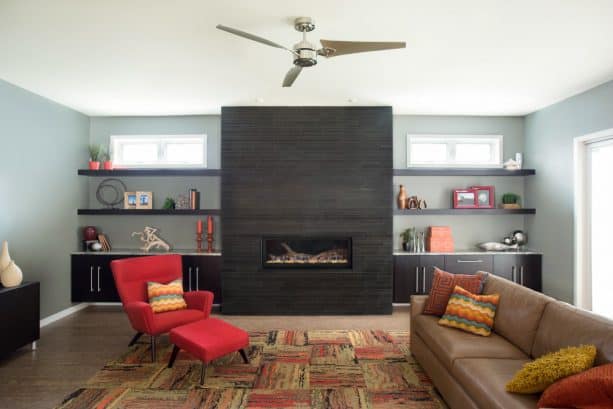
point(307, 171)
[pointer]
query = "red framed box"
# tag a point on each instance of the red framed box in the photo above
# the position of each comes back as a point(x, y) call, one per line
point(465, 198)
point(486, 198)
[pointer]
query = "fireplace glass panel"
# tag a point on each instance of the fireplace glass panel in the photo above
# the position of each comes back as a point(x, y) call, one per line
point(311, 252)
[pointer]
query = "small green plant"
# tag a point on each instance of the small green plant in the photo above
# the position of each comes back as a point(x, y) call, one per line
point(510, 198)
point(407, 235)
point(169, 203)
point(104, 155)
point(94, 152)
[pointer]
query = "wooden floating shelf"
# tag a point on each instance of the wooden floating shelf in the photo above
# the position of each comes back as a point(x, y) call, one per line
point(151, 172)
point(457, 212)
point(462, 172)
point(149, 212)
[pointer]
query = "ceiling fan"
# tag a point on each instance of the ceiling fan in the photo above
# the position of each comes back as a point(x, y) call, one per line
point(305, 54)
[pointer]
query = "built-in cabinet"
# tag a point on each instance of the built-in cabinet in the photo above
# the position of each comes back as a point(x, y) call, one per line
point(92, 278)
point(19, 316)
point(413, 272)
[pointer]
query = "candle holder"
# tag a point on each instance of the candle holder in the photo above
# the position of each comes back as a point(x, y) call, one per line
point(209, 239)
point(199, 242)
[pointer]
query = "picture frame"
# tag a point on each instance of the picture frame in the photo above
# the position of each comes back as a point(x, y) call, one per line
point(465, 199)
point(144, 200)
point(486, 197)
point(129, 200)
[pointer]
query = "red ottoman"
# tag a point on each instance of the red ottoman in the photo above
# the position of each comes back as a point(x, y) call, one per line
point(207, 340)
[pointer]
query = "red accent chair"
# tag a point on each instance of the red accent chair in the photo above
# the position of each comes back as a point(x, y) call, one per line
point(131, 277)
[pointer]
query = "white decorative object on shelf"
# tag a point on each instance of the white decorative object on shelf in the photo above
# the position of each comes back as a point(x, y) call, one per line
point(151, 239)
point(495, 246)
point(10, 273)
point(511, 164)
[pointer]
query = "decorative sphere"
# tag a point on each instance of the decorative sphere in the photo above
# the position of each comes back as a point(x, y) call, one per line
point(95, 246)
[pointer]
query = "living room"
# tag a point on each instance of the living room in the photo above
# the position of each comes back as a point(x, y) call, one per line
point(211, 205)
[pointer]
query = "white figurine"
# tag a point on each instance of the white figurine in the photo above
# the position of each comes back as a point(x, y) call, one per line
point(151, 239)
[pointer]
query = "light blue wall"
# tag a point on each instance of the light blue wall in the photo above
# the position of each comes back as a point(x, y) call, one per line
point(549, 148)
point(42, 145)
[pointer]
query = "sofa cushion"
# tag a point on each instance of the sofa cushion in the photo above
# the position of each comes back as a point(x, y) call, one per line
point(443, 284)
point(484, 380)
point(469, 312)
point(563, 325)
point(449, 344)
point(519, 311)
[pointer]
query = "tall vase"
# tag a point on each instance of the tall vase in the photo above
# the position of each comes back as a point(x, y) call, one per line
point(5, 258)
point(11, 276)
point(402, 198)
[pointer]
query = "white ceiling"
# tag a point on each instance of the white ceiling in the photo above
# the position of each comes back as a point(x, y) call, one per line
point(158, 57)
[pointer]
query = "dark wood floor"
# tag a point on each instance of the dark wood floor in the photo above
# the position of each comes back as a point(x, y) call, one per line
point(71, 350)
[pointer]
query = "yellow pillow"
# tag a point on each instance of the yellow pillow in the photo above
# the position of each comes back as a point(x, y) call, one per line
point(166, 297)
point(539, 374)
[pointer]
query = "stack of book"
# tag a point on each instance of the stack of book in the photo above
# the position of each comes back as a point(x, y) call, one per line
point(439, 239)
point(104, 242)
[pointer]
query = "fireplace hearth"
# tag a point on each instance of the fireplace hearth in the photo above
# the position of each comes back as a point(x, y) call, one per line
point(306, 252)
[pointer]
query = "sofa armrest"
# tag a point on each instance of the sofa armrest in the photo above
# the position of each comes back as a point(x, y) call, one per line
point(140, 315)
point(199, 300)
point(418, 303)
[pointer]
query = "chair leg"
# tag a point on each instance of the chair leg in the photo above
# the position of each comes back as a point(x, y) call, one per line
point(153, 348)
point(202, 372)
point(135, 338)
point(173, 356)
point(244, 355)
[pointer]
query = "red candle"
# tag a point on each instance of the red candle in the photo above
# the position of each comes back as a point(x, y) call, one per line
point(209, 224)
point(199, 227)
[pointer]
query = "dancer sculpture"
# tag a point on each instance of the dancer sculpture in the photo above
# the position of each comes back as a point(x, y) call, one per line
point(151, 239)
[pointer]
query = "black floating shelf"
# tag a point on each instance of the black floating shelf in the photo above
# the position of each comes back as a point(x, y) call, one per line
point(457, 212)
point(151, 172)
point(141, 212)
point(462, 172)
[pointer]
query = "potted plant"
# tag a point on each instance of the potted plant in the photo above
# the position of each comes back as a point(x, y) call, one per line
point(94, 156)
point(407, 237)
point(510, 201)
point(105, 156)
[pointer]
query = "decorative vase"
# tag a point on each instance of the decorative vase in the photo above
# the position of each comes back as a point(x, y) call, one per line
point(90, 233)
point(11, 276)
point(5, 258)
point(108, 165)
point(402, 198)
point(94, 165)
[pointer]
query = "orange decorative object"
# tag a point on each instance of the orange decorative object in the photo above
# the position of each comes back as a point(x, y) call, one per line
point(402, 198)
point(439, 239)
point(589, 389)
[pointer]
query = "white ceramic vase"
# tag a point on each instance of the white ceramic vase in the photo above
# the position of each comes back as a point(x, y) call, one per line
point(11, 276)
point(5, 258)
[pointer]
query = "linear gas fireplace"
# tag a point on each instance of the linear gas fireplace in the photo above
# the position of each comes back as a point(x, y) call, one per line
point(306, 252)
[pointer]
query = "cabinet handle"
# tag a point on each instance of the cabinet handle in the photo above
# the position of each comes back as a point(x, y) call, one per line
point(470, 261)
point(197, 284)
point(423, 275)
point(190, 278)
point(91, 279)
point(98, 278)
point(521, 275)
point(513, 274)
point(417, 280)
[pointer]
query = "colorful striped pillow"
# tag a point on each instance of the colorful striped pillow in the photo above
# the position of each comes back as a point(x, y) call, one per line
point(469, 312)
point(166, 297)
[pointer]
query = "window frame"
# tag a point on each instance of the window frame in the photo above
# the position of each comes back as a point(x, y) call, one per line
point(161, 140)
point(451, 140)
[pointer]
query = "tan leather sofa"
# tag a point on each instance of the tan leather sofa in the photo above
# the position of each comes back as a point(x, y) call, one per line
point(471, 371)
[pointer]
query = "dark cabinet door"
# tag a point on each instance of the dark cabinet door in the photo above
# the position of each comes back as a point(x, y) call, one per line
point(105, 282)
point(469, 263)
point(529, 271)
point(83, 272)
point(505, 266)
point(406, 277)
point(426, 269)
point(203, 273)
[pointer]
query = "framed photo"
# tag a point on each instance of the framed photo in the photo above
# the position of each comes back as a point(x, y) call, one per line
point(465, 199)
point(144, 200)
point(129, 200)
point(485, 196)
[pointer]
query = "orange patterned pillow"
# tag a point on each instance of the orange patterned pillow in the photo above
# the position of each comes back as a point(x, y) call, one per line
point(469, 312)
point(166, 297)
point(591, 389)
point(443, 284)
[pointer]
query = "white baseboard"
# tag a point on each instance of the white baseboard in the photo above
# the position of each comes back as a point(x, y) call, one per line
point(62, 314)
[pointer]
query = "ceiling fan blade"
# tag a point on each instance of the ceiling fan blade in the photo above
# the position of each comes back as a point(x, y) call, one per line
point(333, 48)
point(251, 37)
point(291, 76)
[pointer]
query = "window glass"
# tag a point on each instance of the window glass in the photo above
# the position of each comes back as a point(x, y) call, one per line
point(454, 150)
point(159, 150)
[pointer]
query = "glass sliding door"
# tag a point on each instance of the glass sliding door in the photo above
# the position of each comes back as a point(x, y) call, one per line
point(600, 226)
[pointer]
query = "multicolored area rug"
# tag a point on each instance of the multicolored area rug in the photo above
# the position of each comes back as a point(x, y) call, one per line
point(288, 369)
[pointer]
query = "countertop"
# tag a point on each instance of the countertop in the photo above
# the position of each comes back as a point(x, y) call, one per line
point(467, 252)
point(139, 252)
